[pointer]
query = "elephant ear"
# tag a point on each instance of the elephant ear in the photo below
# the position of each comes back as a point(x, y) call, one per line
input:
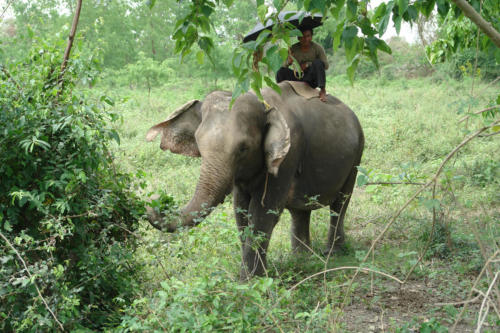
point(277, 141)
point(178, 130)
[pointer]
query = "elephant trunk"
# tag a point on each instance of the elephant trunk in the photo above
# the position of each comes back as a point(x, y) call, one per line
point(211, 189)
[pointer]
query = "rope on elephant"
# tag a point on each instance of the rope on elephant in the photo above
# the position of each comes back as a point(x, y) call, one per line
point(265, 190)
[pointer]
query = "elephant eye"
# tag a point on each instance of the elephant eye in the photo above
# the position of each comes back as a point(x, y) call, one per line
point(242, 148)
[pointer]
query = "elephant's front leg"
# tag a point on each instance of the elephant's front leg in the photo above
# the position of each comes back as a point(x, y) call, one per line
point(256, 238)
point(241, 201)
point(301, 240)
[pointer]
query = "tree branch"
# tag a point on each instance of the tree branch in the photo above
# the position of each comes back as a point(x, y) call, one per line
point(480, 111)
point(70, 40)
point(32, 279)
point(6, 72)
point(475, 17)
point(5, 8)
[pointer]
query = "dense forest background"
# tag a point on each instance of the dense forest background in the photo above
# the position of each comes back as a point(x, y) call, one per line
point(77, 254)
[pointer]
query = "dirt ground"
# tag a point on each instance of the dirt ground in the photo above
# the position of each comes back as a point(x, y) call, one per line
point(384, 311)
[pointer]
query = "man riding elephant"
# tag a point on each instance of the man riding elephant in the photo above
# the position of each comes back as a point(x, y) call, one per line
point(313, 63)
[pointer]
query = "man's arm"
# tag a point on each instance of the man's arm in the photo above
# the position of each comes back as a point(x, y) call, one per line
point(322, 55)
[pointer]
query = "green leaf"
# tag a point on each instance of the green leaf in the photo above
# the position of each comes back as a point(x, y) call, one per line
point(352, 8)
point(366, 27)
point(270, 82)
point(261, 13)
point(262, 37)
point(206, 10)
point(382, 26)
point(273, 58)
point(256, 84)
point(431, 204)
point(382, 46)
point(362, 180)
point(151, 3)
point(240, 88)
point(443, 7)
point(397, 23)
point(200, 56)
point(206, 44)
point(7, 226)
point(351, 70)
point(380, 11)
point(412, 13)
point(348, 34)
point(428, 7)
point(278, 4)
point(114, 135)
point(317, 4)
point(283, 54)
point(337, 7)
point(107, 100)
point(402, 6)
point(337, 36)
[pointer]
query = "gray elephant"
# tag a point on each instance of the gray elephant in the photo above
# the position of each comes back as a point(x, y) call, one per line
point(271, 157)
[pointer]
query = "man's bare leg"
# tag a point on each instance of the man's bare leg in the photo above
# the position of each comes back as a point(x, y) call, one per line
point(322, 94)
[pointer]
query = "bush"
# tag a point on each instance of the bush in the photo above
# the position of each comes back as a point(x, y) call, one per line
point(63, 205)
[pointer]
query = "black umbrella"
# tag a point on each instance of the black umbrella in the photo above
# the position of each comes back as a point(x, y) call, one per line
point(308, 21)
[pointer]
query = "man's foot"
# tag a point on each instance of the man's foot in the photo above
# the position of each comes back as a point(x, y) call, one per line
point(322, 95)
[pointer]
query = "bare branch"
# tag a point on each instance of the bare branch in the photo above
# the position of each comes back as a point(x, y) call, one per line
point(475, 17)
point(475, 299)
point(491, 134)
point(481, 317)
point(365, 269)
point(478, 278)
point(5, 8)
point(32, 279)
point(480, 111)
point(70, 40)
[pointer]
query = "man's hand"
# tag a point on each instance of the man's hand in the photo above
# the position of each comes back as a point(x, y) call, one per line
point(322, 95)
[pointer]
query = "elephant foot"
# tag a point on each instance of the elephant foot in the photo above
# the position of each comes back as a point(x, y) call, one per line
point(301, 249)
point(338, 248)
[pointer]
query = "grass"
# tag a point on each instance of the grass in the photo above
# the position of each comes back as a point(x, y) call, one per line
point(191, 278)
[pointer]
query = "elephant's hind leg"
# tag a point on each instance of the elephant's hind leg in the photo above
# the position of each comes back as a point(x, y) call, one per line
point(301, 240)
point(336, 235)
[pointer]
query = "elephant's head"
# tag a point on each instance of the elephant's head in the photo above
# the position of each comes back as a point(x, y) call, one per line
point(236, 144)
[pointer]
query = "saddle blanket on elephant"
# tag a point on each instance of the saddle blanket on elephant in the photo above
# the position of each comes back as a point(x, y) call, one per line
point(304, 89)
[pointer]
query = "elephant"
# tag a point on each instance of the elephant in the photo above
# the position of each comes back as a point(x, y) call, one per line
point(271, 155)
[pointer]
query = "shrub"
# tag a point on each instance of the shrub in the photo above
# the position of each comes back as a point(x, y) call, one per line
point(63, 205)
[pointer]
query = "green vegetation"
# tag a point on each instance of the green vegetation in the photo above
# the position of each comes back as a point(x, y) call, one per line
point(75, 173)
point(64, 205)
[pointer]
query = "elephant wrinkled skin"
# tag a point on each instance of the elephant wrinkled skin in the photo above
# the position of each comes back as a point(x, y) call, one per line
point(270, 159)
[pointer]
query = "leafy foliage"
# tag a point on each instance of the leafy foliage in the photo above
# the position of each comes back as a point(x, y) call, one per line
point(458, 34)
point(63, 204)
point(356, 29)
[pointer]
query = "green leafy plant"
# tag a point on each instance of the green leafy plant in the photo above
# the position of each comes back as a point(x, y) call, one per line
point(64, 205)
